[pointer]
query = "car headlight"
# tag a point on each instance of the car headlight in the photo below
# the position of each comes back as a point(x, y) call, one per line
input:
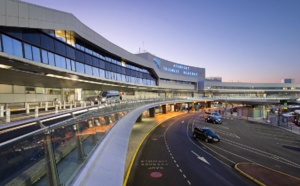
point(209, 137)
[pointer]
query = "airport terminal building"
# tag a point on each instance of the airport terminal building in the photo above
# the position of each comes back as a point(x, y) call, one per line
point(47, 54)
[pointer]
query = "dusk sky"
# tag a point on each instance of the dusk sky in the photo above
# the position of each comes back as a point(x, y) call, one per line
point(241, 41)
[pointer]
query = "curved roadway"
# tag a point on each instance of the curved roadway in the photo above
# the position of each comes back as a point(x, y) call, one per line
point(171, 156)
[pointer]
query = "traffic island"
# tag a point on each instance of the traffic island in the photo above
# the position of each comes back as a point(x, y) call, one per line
point(266, 176)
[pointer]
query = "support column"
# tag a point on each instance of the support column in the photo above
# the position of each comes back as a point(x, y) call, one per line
point(52, 174)
point(175, 107)
point(80, 153)
point(164, 109)
point(152, 112)
point(1, 111)
point(107, 120)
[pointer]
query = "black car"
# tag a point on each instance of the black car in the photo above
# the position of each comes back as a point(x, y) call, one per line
point(213, 119)
point(206, 134)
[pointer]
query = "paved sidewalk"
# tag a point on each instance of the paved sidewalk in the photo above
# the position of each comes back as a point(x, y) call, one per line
point(266, 176)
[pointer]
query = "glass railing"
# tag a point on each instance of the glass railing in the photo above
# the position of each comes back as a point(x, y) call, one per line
point(53, 154)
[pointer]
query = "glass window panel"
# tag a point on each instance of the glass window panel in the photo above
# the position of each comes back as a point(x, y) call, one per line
point(36, 54)
point(16, 32)
point(113, 68)
point(45, 57)
point(95, 71)
point(12, 46)
point(1, 43)
point(60, 61)
point(102, 64)
point(96, 62)
point(88, 59)
point(123, 78)
point(79, 67)
point(119, 78)
point(68, 63)
point(32, 37)
point(88, 70)
point(108, 66)
point(73, 66)
point(51, 59)
point(79, 56)
point(47, 42)
point(70, 52)
point(27, 51)
point(60, 48)
point(17, 48)
point(119, 69)
point(102, 73)
point(107, 75)
point(61, 35)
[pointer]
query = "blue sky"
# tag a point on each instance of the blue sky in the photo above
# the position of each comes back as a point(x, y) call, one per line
point(238, 40)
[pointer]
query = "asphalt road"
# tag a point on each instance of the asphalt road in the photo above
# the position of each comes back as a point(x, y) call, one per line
point(170, 156)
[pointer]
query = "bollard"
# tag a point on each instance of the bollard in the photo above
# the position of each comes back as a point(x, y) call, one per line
point(59, 105)
point(1, 111)
point(74, 104)
point(36, 112)
point(46, 106)
point(92, 103)
point(56, 109)
point(71, 106)
point(27, 108)
point(64, 105)
point(7, 115)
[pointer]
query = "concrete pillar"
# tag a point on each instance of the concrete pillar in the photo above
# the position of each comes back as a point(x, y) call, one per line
point(36, 114)
point(164, 109)
point(46, 106)
point(59, 105)
point(27, 108)
point(74, 104)
point(56, 109)
point(152, 112)
point(139, 119)
point(71, 106)
point(175, 107)
point(1, 111)
point(64, 105)
point(52, 174)
point(7, 116)
point(80, 153)
point(117, 117)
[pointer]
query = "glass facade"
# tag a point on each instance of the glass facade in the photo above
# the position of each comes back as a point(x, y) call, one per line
point(62, 50)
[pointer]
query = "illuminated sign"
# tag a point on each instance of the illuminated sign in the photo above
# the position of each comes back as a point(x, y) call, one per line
point(174, 68)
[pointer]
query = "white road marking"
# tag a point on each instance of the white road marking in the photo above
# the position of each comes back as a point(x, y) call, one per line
point(200, 158)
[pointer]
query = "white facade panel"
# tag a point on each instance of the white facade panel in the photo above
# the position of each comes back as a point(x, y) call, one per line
point(42, 14)
point(12, 8)
point(45, 24)
point(6, 98)
point(23, 10)
point(49, 15)
point(23, 22)
point(33, 12)
point(2, 19)
point(19, 97)
point(33, 23)
point(2, 7)
point(12, 20)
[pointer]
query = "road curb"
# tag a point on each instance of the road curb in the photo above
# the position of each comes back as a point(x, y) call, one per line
point(247, 175)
